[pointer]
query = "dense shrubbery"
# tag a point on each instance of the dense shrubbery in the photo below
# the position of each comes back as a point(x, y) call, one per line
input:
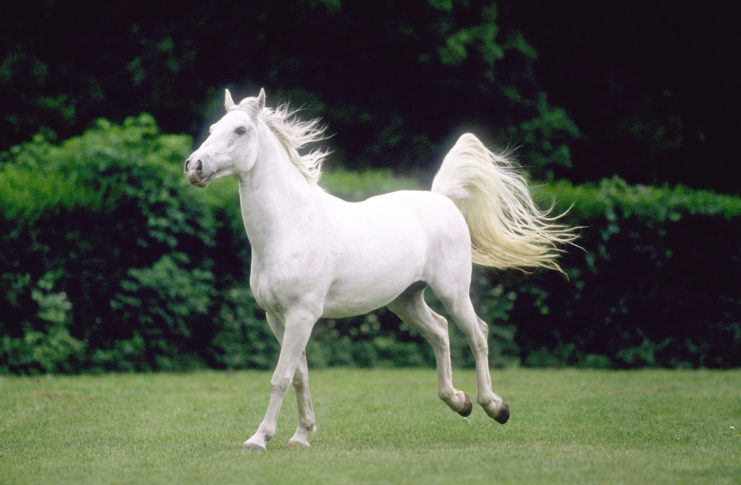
point(110, 261)
point(658, 284)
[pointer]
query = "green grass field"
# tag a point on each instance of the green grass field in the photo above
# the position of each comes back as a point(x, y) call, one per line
point(375, 426)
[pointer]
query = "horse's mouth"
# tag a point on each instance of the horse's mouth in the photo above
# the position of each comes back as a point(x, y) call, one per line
point(198, 182)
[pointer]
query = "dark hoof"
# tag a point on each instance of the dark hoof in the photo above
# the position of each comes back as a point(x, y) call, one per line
point(503, 414)
point(465, 411)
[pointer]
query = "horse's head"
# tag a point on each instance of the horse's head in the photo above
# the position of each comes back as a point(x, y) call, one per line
point(231, 146)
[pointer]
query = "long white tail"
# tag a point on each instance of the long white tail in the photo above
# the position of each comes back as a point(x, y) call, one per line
point(507, 228)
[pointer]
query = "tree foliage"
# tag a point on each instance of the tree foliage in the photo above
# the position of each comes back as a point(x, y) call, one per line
point(651, 85)
point(395, 81)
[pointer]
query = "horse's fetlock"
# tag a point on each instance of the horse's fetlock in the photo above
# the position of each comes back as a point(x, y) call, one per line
point(308, 424)
point(490, 402)
point(446, 395)
point(269, 432)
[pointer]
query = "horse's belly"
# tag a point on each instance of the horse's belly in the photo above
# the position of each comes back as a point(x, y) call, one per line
point(352, 299)
point(374, 283)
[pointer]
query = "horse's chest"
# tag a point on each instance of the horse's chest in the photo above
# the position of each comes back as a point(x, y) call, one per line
point(282, 283)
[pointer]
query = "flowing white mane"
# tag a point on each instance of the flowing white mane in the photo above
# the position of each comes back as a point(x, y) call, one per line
point(294, 134)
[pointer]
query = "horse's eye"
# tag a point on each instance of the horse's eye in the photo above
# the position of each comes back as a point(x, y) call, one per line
point(240, 130)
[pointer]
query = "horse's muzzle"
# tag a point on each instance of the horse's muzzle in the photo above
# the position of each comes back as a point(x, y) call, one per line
point(194, 172)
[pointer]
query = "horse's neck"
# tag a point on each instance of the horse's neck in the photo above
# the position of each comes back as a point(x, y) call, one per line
point(274, 196)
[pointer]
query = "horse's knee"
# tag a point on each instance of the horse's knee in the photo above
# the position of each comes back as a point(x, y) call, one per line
point(279, 385)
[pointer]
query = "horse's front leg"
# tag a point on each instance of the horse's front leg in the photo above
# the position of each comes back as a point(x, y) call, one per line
point(298, 325)
point(306, 418)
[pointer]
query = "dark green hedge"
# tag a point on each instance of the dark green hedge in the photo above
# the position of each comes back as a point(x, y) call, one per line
point(658, 285)
point(111, 261)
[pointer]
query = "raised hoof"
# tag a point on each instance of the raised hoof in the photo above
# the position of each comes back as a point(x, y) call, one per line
point(465, 411)
point(503, 415)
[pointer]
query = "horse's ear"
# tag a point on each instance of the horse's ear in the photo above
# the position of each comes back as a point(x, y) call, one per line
point(228, 101)
point(261, 100)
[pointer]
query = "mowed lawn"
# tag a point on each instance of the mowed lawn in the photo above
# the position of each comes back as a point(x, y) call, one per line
point(375, 426)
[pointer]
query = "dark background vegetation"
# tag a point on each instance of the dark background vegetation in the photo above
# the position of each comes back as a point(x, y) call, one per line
point(626, 110)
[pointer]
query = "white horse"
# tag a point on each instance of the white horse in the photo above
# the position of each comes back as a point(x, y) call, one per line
point(315, 256)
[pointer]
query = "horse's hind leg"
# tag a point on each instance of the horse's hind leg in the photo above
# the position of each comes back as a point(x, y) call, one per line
point(460, 308)
point(303, 400)
point(412, 309)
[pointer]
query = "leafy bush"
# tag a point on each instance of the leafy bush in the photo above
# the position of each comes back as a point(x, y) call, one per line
point(242, 338)
point(109, 257)
point(657, 285)
point(47, 345)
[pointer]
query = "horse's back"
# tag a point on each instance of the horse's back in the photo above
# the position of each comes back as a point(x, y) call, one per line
point(435, 213)
point(406, 214)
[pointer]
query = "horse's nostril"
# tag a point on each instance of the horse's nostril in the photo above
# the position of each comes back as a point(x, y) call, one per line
point(197, 169)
